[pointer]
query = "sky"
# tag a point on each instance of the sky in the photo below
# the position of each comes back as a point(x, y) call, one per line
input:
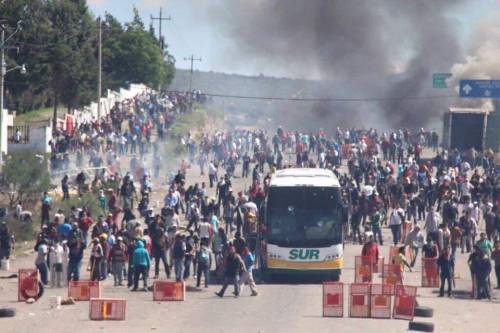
point(189, 32)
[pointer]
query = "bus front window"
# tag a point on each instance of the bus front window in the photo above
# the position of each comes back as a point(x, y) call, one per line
point(304, 214)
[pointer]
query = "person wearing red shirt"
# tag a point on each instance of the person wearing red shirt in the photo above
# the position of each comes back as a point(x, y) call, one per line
point(84, 224)
point(370, 249)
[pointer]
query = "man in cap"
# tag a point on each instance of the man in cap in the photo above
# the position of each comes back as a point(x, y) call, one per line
point(96, 256)
point(118, 257)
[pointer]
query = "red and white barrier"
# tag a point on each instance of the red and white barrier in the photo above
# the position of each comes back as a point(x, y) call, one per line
point(107, 309)
point(333, 299)
point(430, 273)
point(393, 251)
point(359, 300)
point(363, 269)
point(378, 267)
point(84, 290)
point(404, 302)
point(27, 284)
point(169, 291)
point(380, 301)
point(391, 275)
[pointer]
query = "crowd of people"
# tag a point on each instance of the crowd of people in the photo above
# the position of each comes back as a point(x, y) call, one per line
point(435, 203)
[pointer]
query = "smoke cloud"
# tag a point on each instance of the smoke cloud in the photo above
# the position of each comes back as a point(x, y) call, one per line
point(376, 48)
point(482, 61)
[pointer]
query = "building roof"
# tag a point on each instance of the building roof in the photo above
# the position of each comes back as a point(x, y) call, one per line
point(469, 110)
point(304, 177)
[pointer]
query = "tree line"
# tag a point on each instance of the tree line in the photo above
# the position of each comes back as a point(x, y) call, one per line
point(58, 43)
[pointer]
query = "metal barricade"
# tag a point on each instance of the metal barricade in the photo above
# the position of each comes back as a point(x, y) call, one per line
point(404, 302)
point(107, 309)
point(363, 269)
point(430, 273)
point(380, 301)
point(333, 299)
point(359, 300)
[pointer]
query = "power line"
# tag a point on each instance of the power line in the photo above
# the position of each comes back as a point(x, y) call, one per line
point(160, 19)
point(192, 59)
point(327, 99)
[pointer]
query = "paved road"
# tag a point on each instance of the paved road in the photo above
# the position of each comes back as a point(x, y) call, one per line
point(278, 308)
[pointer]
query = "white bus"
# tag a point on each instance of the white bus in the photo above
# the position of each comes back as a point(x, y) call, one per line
point(301, 230)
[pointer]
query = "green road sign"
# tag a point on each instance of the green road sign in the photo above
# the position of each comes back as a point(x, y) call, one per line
point(439, 80)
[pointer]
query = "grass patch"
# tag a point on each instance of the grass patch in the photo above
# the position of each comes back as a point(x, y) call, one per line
point(40, 114)
point(188, 122)
point(88, 200)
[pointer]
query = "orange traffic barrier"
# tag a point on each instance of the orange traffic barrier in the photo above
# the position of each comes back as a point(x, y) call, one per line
point(430, 273)
point(333, 299)
point(107, 309)
point(363, 269)
point(380, 301)
point(169, 291)
point(27, 284)
point(404, 302)
point(359, 300)
point(391, 275)
point(393, 251)
point(84, 290)
point(378, 267)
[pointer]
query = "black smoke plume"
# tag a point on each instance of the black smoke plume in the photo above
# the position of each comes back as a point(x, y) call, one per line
point(356, 45)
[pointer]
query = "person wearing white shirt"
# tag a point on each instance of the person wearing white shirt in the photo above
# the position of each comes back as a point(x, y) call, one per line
point(212, 173)
point(431, 223)
point(395, 221)
point(204, 231)
point(56, 268)
point(465, 188)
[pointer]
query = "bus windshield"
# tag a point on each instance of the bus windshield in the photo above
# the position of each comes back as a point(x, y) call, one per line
point(301, 216)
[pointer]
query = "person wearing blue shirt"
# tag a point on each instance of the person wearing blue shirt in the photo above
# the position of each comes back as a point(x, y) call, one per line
point(141, 263)
point(63, 230)
point(247, 276)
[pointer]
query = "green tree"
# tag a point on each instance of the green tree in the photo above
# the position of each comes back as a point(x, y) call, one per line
point(73, 62)
point(131, 55)
point(24, 176)
point(58, 44)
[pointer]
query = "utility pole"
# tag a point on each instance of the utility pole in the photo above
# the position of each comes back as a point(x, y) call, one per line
point(160, 19)
point(192, 59)
point(3, 71)
point(99, 74)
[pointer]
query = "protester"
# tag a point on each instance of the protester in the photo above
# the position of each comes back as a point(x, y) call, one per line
point(41, 261)
point(204, 260)
point(142, 263)
point(446, 267)
point(495, 255)
point(232, 267)
point(75, 255)
point(415, 240)
point(96, 256)
point(178, 254)
point(118, 257)
point(7, 241)
point(247, 274)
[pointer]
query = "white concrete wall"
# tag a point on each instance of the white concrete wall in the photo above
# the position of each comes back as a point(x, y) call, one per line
point(38, 141)
point(8, 120)
point(89, 113)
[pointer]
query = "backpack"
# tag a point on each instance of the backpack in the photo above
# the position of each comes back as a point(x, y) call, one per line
point(179, 250)
point(204, 257)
